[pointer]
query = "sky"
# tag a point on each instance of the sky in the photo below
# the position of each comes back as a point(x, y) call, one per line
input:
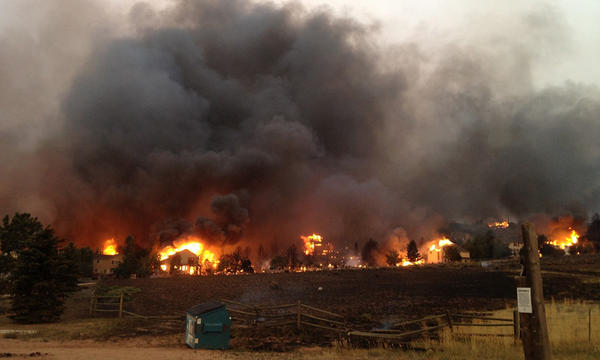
point(399, 19)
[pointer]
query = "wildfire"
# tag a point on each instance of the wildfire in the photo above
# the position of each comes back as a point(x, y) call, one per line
point(406, 262)
point(110, 247)
point(440, 244)
point(569, 240)
point(310, 242)
point(499, 224)
point(193, 245)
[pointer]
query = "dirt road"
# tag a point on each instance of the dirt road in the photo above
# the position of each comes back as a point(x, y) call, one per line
point(136, 350)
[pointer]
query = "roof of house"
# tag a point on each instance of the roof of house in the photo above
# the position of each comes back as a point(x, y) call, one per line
point(108, 257)
point(205, 307)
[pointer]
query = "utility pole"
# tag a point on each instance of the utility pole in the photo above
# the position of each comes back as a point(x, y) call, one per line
point(534, 330)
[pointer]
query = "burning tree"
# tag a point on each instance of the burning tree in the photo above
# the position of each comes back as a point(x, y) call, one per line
point(235, 262)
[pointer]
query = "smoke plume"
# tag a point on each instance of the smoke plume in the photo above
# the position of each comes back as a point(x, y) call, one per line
point(257, 123)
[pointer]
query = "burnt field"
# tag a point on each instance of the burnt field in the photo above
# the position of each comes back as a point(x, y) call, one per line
point(374, 294)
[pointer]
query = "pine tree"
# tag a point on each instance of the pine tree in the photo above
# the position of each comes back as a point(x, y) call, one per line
point(412, 252)
point(593, 231)
point(42, 275)
point(392, 258)
point(368, 253)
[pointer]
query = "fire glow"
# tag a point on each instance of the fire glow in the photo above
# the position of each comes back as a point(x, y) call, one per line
point(193, 245)
point(440, 244)
point(571, 239)
point(499, 224)
point(110, 247)
point(406, 262)
point(310, 242)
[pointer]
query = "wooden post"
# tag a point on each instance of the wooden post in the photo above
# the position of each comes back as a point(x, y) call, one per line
point(299, 315)
point(536, 342)
point(449, 321)
point(92, 304)
point(121, 305)
point(516, 326)
point(590, 325)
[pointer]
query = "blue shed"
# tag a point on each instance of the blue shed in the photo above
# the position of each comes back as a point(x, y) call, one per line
point(207, 326)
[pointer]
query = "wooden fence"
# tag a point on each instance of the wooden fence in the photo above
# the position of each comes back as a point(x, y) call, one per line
point(288, 314)
point(106, 304)
point(302, 315)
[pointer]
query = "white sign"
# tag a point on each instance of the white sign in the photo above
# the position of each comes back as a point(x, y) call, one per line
point(524, 300)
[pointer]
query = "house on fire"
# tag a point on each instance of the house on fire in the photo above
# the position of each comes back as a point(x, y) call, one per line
point(105, 265)
point(184, 261)
point(437, 256)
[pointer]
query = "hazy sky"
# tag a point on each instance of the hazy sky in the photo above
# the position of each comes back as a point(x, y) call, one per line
point(399, 20)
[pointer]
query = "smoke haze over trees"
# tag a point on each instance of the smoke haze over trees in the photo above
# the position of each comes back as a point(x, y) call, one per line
point(237, 120)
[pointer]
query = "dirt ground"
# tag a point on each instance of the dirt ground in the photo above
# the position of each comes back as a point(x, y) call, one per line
point(357, 294)
point(153, 348)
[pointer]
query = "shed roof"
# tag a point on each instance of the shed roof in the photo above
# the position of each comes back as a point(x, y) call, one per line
point(205, 307)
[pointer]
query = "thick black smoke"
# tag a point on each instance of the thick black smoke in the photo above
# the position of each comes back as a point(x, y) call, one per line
point(259, 122)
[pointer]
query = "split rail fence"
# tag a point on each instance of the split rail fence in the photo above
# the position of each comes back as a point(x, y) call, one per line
point(115, 304)
point(288, 314)
point(302, 315)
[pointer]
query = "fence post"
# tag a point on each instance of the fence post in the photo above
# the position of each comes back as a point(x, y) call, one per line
point(121, 305)
point(449, 321)
point(92, 304)
point(590, 325)
point(299, 314)
point(516, 325)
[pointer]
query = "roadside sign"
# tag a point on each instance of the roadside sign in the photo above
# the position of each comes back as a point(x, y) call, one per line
point(524, 300)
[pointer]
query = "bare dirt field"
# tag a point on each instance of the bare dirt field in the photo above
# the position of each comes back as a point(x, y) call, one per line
point(377, 293)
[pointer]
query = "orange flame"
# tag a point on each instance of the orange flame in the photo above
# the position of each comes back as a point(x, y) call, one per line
point(440, 244)
point(571, 239)
point(406, 262)
point(110, 247)
point(192, 244)
point(499, 224)
point(310, 242)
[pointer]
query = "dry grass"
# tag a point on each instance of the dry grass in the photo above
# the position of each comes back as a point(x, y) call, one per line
point(567, 326)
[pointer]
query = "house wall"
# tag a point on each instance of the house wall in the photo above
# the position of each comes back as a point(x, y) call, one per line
point(106, 264)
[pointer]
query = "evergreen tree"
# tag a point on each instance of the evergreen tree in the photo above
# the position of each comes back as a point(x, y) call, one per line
point(292, 255)
point(392, 258)
point(593, 231)
point(368, 253)
point(42, 274)
point(130, 262)
point(451, 253)
point(412, 251)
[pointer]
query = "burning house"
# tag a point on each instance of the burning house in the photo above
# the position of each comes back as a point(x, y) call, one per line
point(187, 255)
point(105, 265)
point(106, 262)
point(436, 252)
point(183, 261)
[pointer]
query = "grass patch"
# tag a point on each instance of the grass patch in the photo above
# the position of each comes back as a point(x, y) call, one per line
point(127, 291)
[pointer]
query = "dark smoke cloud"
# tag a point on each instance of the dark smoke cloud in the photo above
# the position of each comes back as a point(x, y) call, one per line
point(256, 122)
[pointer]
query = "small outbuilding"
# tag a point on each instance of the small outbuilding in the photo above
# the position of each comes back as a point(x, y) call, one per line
point(208, 326)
